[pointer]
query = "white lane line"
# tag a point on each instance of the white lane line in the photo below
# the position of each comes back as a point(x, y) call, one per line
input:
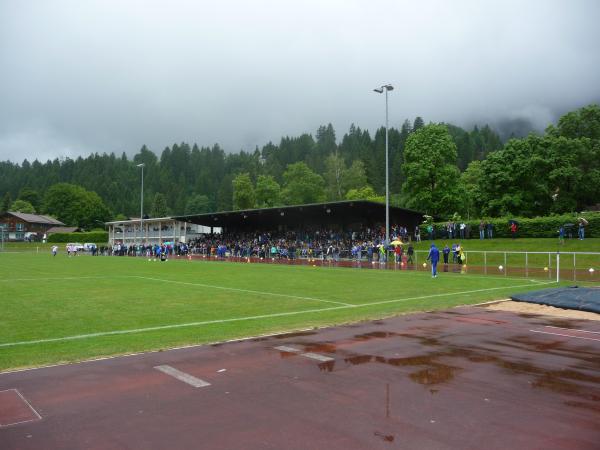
point(317, 357)
point(240, 319)
point(246, 291)
point(285, 348)
point(182, 376)
point(565, 335)
point(572, 329)
point(39, 417)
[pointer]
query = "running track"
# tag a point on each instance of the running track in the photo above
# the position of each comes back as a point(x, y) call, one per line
point(466, 378)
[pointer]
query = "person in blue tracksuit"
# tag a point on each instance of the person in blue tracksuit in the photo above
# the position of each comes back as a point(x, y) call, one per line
point(434, 257)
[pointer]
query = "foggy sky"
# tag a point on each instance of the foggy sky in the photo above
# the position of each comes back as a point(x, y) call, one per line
point(82, 76)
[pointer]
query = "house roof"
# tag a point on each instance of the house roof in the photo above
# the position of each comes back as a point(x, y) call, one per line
point(62, 230)
point(36, 218)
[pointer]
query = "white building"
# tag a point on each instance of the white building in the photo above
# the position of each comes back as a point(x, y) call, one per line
point(156, 230)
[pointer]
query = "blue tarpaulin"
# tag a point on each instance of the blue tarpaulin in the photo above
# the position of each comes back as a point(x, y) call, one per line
point(574, 297)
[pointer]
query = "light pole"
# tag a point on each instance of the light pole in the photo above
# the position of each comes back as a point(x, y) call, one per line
point(142, 206)
point(386, 88)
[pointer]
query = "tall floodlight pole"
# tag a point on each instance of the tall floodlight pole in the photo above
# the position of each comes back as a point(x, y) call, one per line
point(386, 88)
point(142, 205)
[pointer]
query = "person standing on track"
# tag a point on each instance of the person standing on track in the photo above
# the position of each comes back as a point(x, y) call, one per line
point(434, 257)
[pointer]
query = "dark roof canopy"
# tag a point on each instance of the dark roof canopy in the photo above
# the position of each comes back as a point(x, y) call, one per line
point(344, 214)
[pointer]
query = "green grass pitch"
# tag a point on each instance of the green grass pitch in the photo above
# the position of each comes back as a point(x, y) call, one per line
point(68, 309)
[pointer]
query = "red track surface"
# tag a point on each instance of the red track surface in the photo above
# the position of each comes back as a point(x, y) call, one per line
point(461, 379)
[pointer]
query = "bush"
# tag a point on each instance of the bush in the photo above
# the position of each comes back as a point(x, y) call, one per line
point(537, 227)
point(98, 237)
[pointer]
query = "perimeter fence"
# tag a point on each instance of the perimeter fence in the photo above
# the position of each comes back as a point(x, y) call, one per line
point(563, 266)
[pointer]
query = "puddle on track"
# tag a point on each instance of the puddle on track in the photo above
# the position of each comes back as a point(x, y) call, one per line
point(434, 375)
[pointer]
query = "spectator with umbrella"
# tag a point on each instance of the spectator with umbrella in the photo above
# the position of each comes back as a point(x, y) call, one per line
point(582, 225)
point(514, 227)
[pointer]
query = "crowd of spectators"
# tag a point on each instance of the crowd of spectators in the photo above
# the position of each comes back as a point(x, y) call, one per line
point(307, 243)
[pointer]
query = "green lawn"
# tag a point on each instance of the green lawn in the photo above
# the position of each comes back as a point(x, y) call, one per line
point(67, 309)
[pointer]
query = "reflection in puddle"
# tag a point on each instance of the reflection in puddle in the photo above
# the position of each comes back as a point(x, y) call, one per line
point(375, 334)
point(359, 359)
point(326, 366)
point(592, 406)
point(433, 375)
point(320, 347)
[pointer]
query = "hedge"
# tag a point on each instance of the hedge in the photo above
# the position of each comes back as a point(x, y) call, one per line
point(99, 237)
point(537, 227)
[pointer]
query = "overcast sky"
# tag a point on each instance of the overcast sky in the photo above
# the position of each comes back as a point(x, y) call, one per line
point(82, 76)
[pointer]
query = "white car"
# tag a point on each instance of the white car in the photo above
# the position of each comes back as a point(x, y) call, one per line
point(78, 246)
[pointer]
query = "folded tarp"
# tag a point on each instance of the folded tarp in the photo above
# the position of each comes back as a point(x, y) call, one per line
point(574, 297)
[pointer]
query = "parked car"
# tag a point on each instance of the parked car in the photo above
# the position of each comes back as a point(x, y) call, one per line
point(89, 246)
point(78, 246)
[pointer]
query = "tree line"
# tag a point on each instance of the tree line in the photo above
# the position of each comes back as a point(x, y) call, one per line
point(440, 169)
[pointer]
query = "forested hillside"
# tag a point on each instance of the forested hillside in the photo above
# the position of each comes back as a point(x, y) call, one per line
point(440, 169)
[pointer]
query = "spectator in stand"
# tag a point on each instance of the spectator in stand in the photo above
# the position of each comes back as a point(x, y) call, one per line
point(417, 234)
point(410, 253)
point(482, 225)
point(462, 230)
point(398, 253)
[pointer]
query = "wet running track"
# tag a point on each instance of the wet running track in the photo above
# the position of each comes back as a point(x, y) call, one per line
point(466, 378)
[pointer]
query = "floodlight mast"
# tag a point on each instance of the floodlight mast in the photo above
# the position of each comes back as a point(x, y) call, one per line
point(380, 90)
point(142, 206)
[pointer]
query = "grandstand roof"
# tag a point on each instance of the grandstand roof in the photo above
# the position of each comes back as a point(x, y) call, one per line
point(343, 214)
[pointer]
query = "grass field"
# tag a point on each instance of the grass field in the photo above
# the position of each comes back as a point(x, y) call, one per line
point(68, 309)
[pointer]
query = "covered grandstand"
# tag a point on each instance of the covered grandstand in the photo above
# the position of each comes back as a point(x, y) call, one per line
point(351, 214)
point(341, 216)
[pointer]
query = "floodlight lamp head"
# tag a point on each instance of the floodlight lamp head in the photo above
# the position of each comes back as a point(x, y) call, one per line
point(388, 87)
point(141, 165)
point(379, 90)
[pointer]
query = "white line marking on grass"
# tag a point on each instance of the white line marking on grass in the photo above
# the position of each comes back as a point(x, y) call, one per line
point(382, 302)
point(167, 327)
point(572, 329)
point(55, 278)
point(182, 376)
point(246, 291)
point(240, 319)
point(565, 335)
